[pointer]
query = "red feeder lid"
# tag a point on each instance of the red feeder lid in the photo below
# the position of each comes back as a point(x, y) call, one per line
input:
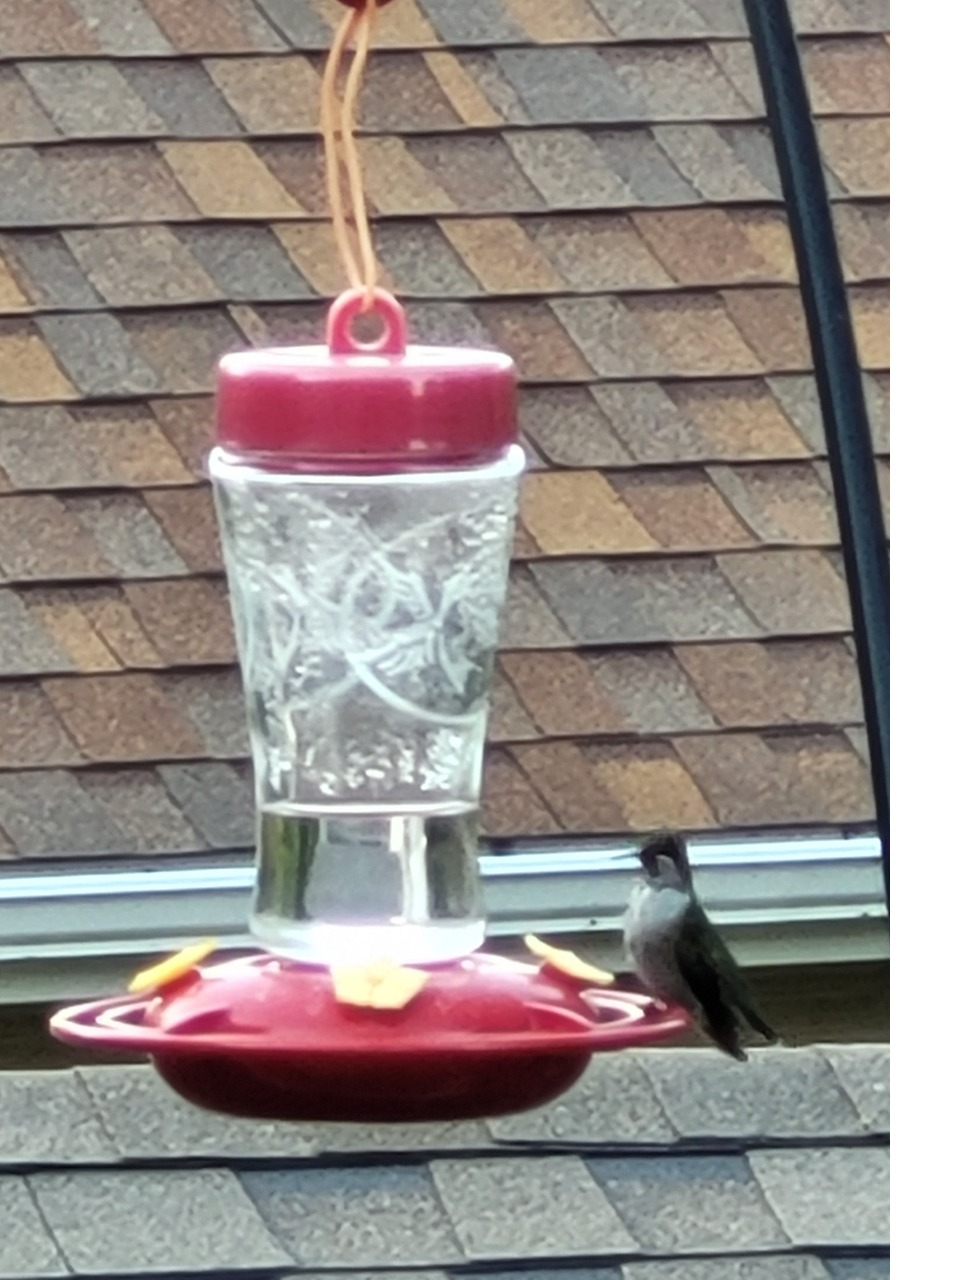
point(367, 406)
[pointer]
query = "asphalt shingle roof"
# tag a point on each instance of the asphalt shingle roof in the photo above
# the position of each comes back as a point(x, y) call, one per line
point(656, 1166)
point(588, 184)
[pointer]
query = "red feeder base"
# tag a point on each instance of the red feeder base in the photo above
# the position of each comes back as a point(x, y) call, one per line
point(264, 1037)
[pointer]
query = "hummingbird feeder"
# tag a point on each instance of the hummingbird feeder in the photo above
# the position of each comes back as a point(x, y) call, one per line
point(366, 492)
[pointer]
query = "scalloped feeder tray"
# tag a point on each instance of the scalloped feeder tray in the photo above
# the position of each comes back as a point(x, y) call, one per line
point(265, 1037)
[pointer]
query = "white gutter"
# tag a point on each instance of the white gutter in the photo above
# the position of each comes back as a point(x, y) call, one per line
point(778, 901)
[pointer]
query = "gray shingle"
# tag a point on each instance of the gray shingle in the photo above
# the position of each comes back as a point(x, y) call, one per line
point(48, 1116)
point(797, 1267)
point(421, 260)
point(480, 22)
point(647, 171)
point(90, 99)
point(829, 1196)
point(383, 1216)
point(54, 278)
point(144, 1221)
point(567, 86)
point(48, 811)
point(555, 1208)
point(216, 800)
point(248, 263)
point(672, 18)
point(27, 197)
point(864, 1071)
point(568, 169)
point(299, 22)
point(185, 97)
point(570, 428)
point(122, 27)
point(26, 647)
point(779, 1093)
point(689, 1204)
point(612, 1102)
point(859, 1268)
point(148, 1120)
point(635, 602)
point(126, 534)
point(26, 1248)
point(97, 355)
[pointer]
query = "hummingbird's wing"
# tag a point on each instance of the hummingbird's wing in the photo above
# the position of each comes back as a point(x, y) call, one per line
point(714, 977)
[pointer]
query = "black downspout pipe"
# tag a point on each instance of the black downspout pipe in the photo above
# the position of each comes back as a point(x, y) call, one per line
point(839, 383)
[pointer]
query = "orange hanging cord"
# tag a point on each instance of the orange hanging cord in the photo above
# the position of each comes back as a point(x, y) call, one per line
point(338, 123)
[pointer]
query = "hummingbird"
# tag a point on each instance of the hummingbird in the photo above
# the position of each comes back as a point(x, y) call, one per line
point(677, 953)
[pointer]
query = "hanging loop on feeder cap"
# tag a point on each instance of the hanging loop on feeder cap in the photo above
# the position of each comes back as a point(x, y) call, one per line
point(354, 302)
point(362, 4)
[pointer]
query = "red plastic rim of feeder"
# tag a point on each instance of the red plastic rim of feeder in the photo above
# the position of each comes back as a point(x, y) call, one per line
point(264, 1037)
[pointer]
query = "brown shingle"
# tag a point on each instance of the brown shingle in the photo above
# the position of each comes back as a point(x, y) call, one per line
point(30, 733)
point(188, 424)
point(501, 255)
point(560, 774)
point(461, 90)
point(682, 510)
point(574, 512)
point(848, 77)
point(182, 347)
point(508, 720)
point(738, 419)
point(299, 168)
point(24, 120)
point(781, 503)
point(397, 181)
point(269, 95)
point(61, 31)
point(402, 94)
point(228, 180)
point(858, 153)
point(27, 369)
point(41, 539)
point(478, 174)
point(188, 622)
point(132, 448)
point(510, 805)
point(227, 26)
point(863, 232)
point(720, 246)
point(789, 592)
point(66, 623)
point(113, 184)
point(780, 682)
point(189, 521)
point(120, 629)
point(536, 340)
point(560, 693)
point(527, 621)
point(773, 323)
point(143, 810)
point(755, 780)
point(651, 690)
point(122, 718)
point(12, 297)
point(596, 252)
point(870, 306)
point(651, 785)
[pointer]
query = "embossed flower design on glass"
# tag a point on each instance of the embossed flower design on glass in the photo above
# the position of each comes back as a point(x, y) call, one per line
point(367, 504)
